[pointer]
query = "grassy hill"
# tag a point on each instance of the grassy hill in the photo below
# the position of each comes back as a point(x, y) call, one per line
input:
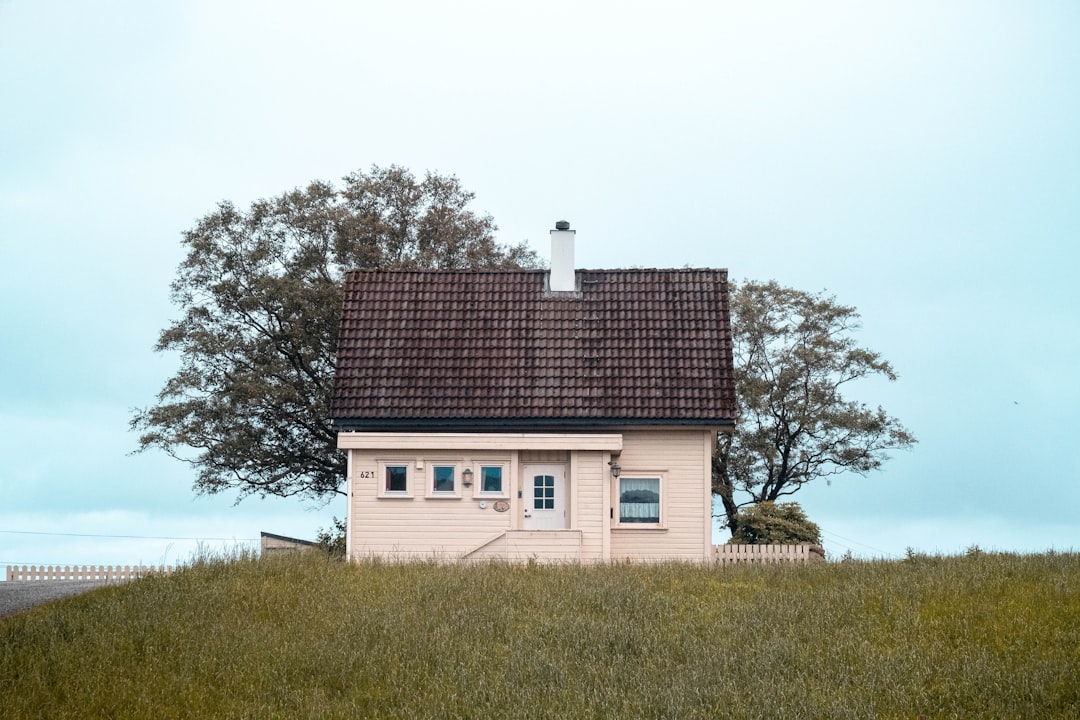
point(979, 636)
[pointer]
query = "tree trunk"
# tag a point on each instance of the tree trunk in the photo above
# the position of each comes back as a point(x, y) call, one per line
point(722, 484)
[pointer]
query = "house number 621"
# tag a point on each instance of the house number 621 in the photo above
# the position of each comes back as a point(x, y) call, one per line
point(366, 474)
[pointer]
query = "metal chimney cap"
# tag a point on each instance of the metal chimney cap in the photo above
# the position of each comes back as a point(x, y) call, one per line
point(562, 225)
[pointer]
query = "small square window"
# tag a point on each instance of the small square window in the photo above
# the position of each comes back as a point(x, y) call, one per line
point(491, 479)
point(639, 500)
point(443, 478)
point(397, 478)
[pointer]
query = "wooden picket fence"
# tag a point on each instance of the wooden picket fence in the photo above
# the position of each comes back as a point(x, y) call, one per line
point(102, 573)
point(803, 553)
point(722, 555)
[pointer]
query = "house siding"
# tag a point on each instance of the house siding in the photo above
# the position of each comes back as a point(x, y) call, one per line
point(589, 473)
point(420, 527)
point(542, 545)
point(682, 458)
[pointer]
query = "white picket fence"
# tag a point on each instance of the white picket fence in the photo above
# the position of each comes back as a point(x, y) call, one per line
point(102, 573)
point(803, 553)
point(722, 555)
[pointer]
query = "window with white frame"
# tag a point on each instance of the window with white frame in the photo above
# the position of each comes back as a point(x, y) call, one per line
point(639, 501)
point(491, 480)
point(443, 479)
point(393, 479)
point(397, 478)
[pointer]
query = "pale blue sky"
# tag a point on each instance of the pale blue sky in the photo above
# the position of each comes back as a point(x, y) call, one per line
point(919, 160)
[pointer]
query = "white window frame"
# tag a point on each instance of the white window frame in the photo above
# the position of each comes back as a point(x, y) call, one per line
point(410, 478)
point(429, 474)
point(478, 481)
point(617, 497)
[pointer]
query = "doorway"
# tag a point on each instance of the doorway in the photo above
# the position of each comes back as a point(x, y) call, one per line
point(544, 498)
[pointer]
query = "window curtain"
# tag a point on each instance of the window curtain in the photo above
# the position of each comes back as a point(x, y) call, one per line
point(639, 500)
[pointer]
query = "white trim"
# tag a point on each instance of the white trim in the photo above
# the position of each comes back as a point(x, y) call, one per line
point(514, 483)
point(708, 450)
point(607, 509)
point(612, 442)
point(573, 486)
point(348, 505)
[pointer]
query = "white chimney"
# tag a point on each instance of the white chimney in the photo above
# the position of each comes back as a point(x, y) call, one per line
point(562, 258)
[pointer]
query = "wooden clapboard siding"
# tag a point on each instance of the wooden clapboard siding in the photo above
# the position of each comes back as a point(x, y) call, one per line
point(543, 457)
point(587, 488)
point(680, 458)
point(538, 545)
point(420, 526)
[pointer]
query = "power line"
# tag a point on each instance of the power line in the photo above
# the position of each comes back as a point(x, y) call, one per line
point(844, 544)
point(124, 537)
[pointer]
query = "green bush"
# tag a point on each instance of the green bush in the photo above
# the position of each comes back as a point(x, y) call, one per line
point(769, 522)
point(332, 540)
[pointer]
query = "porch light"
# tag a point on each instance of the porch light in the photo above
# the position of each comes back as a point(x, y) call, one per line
point(466, 477)
point(615, 468)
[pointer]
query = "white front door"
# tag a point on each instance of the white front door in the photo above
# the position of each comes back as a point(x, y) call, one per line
point(544, 498)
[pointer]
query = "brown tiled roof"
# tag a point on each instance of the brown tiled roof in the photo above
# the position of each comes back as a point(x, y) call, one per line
point(452, 348)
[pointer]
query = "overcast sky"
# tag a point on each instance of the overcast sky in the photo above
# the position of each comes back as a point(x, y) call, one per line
point(919, 160)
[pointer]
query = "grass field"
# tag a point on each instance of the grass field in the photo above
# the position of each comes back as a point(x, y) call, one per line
point(981, 636)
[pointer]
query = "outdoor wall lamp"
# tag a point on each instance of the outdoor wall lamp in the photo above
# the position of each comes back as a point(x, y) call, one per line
point(615, 468)
point(466, 477)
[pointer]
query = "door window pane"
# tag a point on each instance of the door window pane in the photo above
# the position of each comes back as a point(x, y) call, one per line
point(543, 492)
point(639, 500)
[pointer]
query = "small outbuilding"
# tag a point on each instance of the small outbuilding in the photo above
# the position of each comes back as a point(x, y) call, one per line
point(271, 545)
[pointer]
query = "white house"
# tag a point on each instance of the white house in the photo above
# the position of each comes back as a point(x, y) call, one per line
point(568, 415)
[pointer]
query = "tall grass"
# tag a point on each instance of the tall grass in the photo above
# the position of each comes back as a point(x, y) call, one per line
point(980, 636)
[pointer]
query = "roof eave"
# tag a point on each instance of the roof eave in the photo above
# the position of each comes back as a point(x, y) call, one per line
point(517, 424)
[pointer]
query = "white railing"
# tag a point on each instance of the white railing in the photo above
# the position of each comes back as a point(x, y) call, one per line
point(803, 553)
point(102, 573)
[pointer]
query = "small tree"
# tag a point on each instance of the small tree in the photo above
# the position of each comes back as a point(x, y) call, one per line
point(332, 540)
point(260, 293)
point(794, 354)
point(780, 523)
